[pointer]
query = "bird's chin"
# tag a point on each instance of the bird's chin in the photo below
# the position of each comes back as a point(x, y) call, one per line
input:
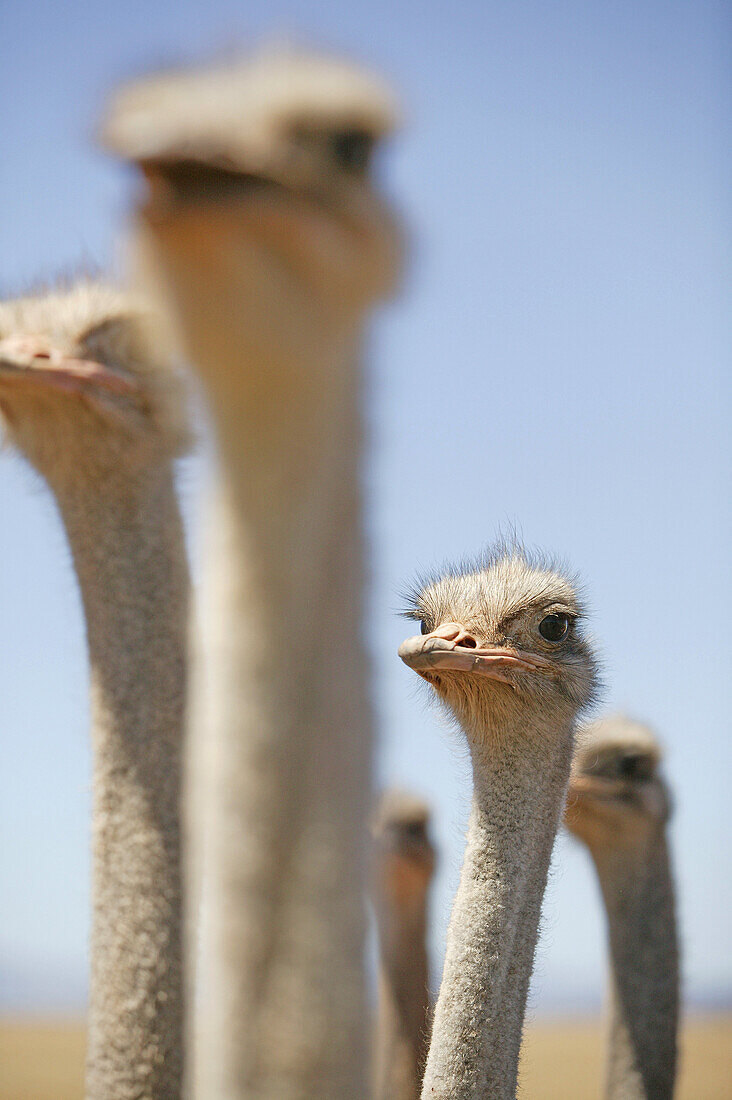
point(454, 682)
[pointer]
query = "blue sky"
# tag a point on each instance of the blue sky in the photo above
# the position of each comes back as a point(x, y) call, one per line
point(556, 361)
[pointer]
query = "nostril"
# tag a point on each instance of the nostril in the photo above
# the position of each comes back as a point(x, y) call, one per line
point(467, 642)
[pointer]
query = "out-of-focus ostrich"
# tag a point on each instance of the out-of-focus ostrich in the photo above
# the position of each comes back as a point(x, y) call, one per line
point(403, 867)
point(502, 647)
point(618, 805)
point(263, 233)
point(99, 414)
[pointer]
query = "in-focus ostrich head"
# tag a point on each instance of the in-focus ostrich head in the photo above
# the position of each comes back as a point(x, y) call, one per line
point(404, 857)
point(500, 637)
point(275, 151)
point(617, 797)
point(78, 377)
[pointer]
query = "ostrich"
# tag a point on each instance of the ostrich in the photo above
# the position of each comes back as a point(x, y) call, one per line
point(501, 646)
point(403, 866)
point(262, 232)
point(101, 418)
point(618, 806)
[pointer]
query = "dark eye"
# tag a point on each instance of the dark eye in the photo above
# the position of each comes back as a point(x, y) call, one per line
point(424, 629)
point(628, 766)
point(351, 149)
point(633, 766)
point(554, 627)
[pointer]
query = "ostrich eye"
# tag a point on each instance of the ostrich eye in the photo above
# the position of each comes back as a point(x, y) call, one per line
point(634, 766)
point(351, 149)
point(554, 627)
point(424, 629)
point(628, 767)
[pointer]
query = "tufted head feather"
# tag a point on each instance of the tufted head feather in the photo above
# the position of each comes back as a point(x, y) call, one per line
point(226, 114)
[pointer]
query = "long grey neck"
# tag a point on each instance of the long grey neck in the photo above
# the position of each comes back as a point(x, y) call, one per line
point(128, 548)
point(519, 785)
point(402, 1025)
point(518, 980)
point(283, 729)
point(639, 897)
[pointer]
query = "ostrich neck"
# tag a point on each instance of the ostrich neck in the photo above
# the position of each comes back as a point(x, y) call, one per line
point(637, 887)
point(403, 1004)
point(127, 543)
point(520, 777)
point(282, 723)
point(518, 979)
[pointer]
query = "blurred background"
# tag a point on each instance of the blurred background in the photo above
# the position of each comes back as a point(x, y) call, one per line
point(555, 364)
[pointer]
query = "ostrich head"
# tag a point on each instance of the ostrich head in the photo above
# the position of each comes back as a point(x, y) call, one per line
point(274, 153)
point(499, 638)
point(617, 798)
point(404, 856)
point(79, 382)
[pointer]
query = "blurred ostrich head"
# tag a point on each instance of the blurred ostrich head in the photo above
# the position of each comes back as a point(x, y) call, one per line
point(82, 380)
point(280, 146)
point(404, 856)
point(617, 797)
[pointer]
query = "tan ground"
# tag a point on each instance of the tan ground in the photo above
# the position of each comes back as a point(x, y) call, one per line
point(563, 1060)
point(43, 1060)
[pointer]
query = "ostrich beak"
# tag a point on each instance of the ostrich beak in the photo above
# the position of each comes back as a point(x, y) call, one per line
point(430, 653)
point(590, 791)
point(33, 360)
point(588, 794)
point(174, 180)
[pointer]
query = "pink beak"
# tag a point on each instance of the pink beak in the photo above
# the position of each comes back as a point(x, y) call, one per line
point(33, 359)
point(426, 653)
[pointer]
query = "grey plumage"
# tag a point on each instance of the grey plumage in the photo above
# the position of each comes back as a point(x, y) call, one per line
point(618, 805)
point(265, 239)
point(516, 695)
point(403, 864)
point(100, 414)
